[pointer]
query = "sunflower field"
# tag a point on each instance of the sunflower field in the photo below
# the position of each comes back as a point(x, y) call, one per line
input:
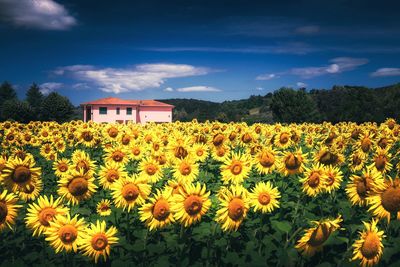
point(199, 194)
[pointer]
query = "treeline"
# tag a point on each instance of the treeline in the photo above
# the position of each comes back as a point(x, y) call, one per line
point(35, 106)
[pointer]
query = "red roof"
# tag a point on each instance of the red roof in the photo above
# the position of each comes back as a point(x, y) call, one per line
point(118, 101)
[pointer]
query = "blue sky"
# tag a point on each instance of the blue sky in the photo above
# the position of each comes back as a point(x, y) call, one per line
point(212, 50)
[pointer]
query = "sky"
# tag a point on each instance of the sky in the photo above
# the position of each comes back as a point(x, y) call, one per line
point(210, 50)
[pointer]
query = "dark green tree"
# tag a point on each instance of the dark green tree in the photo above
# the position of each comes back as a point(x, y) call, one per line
point(17, 110)
point(35, 98)
point(56, 107)
point(7, 92)
point(290, 105)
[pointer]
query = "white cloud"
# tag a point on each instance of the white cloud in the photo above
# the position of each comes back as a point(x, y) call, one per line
point(307, 30)
point(137, 78)
point(259, 88)
point(198, 89)
point(340, 64)
point(46, 88)
point(79, 86)
point(169, 89)
point(301, 84)
point(38, 14)
point(266, 77)
point(385, 72)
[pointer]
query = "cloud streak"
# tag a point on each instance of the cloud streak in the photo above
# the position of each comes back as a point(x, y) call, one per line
point(199, 88)
point(137, 78)
point(37, 14)
point(386, 72)
point(47, 88)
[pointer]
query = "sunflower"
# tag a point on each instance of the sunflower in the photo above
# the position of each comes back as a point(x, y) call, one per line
point(61, 167)
point(87, 136)
point(3, 162)
point(265, 160)
point(103, 208)
point(135, 151)
point(236, 168)
point(382, 161)
point(129, 192)
point(46, 150)
point(332, 178)
point(18, 174)
point(386, 200)
point(314, 238)
point(111, 132)
point(76, 187)
point(42, 212)
point(264, 197)
point(110, 173)
point(150, 170)
point(313, 180)
point(31, 191)
point(190, 204)
point(365, 143)
point(118, 154)
point(360, 187)
point(175, 186)
point(220, 153)
point(8, 209)
point(65, 233)
point(357, 160)
point(328, 156)
point(81, 161)
point(282, 140)
point(185, 170)
point(369, 248)
point(233, 207)
point(157, 213)
point(200, 152)
point(97, 240)
point(292, 162)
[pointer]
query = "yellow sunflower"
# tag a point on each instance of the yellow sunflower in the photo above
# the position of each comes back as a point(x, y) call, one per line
point(369, 248)
point(292, 162)
point(129, 192)
point(110, 173)
point(65, 233)
point(236, 168)
point(233, 209)
point(190, 204)
point(382, 161)
point(357, 160)
point(18, 173)
point(313, 180)
point(8, 209)
point(76, 187)
point(31, 191)
point(118, 154)
point(361, 186)
point(386, 200)
point(314, 238)
point(103, 208)
point(332, 178)
point(97, 240)
point(157, 213)
point(282, 140)
point(41, 213)
point(264, 197)
point(87, 136)
point(265, 160)
point(200, 152)
point(185, 170)
point(150, 170)
point(81, 161)
point(61, 167)
point(328, 156)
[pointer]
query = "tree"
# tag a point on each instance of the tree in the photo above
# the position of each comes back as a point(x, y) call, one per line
point(7, 92)
point(289, 105)
point(35, 98)
point(56, 107)
point(17, 110)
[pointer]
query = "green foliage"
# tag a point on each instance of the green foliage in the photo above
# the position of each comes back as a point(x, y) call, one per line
point(35, 98)
point(7, 92)
point(17, 110)
point(56, 108)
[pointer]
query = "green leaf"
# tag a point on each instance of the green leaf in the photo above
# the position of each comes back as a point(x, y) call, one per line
point(283, 226)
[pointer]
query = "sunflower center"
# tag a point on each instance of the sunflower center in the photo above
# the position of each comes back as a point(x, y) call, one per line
point(236, 209)
point(200, 152)
point(87, 136)
point(3, 212)
point(162, 159)
point(356, 160)
point(382, 143)
point(366, 144)
point(284, 138)
point(161, 210)
point(193, 205)
point(82, 164)
point(390, 199)
point(371, 245)
point(46, 215)
point(180, 152)
point(328, 158)
point(62, 167)
point(21, 175)
point(218, 140)
point(185, 169)
point(236, 167)
point(113, 132)
point(118, 156)
point(78, 186)
point(67, 234)
point(151, 169)
point(246, 138)
point(112, 175)
point(136, 151)
point(313, 180)
point(292, 162)
point(264, 198)
point(126, 140)
point(330, 179)
point(319, 236)
point(99, 242)
point(10, 137)
point(130, 192)
point(380, 162)
point(267, 159)
point(363, 187)
point(104, 207)
point(221, 152)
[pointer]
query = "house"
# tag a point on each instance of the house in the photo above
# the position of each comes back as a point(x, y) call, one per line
point(112, 109)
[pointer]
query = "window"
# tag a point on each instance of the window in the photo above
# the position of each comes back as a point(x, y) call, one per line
point(128, 111)
point(117, 111)
point(103, 110)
